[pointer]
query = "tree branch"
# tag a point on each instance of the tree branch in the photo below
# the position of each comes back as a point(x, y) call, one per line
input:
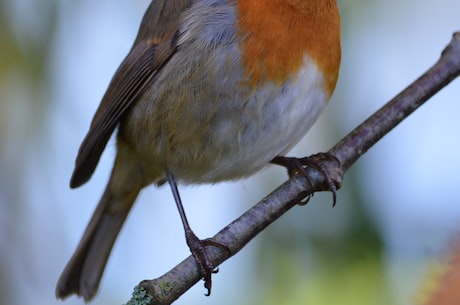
point(170, 286)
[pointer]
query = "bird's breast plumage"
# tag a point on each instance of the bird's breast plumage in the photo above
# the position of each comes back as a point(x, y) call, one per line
point(248, 80)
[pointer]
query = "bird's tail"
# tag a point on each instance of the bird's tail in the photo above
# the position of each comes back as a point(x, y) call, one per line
point(84, 270)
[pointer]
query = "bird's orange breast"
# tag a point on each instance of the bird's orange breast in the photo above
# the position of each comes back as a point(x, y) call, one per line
point(277, 34)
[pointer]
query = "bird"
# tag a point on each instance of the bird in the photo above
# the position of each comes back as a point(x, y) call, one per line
point(211, 91)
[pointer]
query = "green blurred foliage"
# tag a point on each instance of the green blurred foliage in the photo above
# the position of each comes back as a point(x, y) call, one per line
point(24, 104)
point(343, 266)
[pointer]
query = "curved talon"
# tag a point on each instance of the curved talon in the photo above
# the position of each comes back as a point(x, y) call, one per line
point(315, 162)
point(198, 249)
point(297, 166)
point(215, 243)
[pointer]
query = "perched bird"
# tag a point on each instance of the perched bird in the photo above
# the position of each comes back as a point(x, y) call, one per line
point(212, 90)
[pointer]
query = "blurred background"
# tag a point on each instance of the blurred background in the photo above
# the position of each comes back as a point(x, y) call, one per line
point(397, 216)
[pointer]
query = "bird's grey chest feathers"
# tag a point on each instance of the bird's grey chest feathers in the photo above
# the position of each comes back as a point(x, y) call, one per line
point(203, 123)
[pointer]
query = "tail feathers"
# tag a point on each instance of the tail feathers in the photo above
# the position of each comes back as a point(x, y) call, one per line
point(83, 272)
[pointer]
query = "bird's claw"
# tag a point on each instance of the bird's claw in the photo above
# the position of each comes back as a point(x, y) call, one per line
point(297, 166)
point(198, 249)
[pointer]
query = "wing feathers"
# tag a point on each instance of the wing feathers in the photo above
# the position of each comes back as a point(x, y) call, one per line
point(128, 84)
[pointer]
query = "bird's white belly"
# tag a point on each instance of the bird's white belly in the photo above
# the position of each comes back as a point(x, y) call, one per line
point(272, 122)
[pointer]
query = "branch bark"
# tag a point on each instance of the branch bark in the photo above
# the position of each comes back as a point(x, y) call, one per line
point(170, 286)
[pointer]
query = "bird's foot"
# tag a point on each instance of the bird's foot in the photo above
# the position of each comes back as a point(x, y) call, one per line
point(198, 248)
point(298, 166)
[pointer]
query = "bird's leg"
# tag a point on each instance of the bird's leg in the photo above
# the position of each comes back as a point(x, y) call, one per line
point(197, 246)
point(297, 166)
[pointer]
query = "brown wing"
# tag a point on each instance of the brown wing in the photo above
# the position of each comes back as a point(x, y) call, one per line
point(154, 46)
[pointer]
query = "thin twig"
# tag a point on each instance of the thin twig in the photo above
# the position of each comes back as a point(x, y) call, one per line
point(167, 288)
point(351, 147)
